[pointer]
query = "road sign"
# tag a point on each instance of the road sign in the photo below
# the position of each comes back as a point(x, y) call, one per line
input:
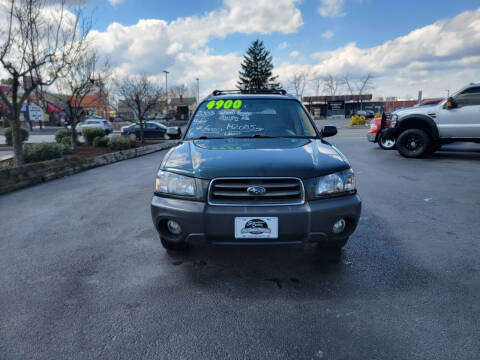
point(35, 113)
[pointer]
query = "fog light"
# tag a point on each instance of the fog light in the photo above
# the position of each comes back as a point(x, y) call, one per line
point(339, 226)
point(174, 227)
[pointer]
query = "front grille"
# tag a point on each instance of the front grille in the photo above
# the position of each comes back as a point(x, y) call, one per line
point(278, 191)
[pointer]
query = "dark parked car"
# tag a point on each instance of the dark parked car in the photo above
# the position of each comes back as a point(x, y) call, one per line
point(253, 169)
point(151, 130)
point(369, 114)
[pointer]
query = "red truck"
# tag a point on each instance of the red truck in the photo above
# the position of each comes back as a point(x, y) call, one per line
point(374, 134)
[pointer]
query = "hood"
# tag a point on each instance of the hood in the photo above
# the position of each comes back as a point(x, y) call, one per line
point(424, 110)
point(208, 159)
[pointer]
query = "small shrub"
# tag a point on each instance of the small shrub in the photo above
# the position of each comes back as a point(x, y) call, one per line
point(377, 115)
point(358, 120)
point(65, 141)
point(42, 151)
point(89, 134)
point(66, 149)
point(101, 141)
point(61, 134)
point(5, 165)
point(120, 143)
point(8, 135)
point(133, 142)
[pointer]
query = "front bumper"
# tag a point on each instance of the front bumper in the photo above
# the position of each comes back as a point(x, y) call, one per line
point(372, 137)
point(310, 222)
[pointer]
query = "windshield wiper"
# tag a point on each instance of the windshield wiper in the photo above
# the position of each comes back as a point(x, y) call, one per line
point(260, 136)
point(254, 136)
point(203, 137)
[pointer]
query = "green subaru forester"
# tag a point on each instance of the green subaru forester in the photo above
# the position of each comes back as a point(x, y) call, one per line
point(253, 169)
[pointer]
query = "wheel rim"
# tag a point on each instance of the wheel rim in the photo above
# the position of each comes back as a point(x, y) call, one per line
point(413, 142)
point(388, 143)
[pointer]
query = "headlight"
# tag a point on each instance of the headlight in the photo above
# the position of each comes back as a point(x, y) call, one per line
point(373, 126)
point(394, 120)
point(170, 183)
point(342, 182)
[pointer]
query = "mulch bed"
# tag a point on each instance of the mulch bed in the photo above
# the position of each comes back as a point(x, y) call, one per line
point(84, 151)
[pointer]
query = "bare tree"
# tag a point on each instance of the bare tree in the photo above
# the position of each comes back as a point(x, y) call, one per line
point(331, 84)
point(177, 90)
point(364, 83)
point(78, 80)
point(297, 83)
point(358, 85)
point(140, 95)
point(317, 84)
point(349, 83)
point(39, 38)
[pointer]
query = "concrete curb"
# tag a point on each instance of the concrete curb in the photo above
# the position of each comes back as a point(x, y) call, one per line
point(16, 178)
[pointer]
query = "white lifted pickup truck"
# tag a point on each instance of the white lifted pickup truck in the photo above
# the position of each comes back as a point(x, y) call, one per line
point(421, 130)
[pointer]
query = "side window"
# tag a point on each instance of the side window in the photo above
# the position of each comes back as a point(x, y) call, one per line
point(469, 97)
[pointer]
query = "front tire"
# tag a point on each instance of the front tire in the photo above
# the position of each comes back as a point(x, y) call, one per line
point(174, 246)
point(413, 143)
point(386, 143)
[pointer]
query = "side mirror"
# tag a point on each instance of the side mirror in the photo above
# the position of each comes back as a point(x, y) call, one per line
point(450, 104)
point(328, 131)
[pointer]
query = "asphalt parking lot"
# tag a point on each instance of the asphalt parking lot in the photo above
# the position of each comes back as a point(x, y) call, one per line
point(83, 275)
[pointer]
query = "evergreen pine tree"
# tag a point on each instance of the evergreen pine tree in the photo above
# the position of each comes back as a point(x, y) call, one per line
point(257, 69)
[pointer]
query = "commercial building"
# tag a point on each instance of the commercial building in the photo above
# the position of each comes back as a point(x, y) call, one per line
point(182, 106)
point(125, 112)
point(348, 105)
point(178, 107)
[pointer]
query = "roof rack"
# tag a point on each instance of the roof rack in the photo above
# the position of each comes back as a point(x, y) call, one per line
point(250, 91)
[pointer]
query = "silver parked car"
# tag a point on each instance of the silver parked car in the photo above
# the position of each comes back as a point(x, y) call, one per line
point(95, 123)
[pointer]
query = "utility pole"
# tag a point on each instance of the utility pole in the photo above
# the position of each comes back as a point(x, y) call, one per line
point(166, 89)
point(198, 90)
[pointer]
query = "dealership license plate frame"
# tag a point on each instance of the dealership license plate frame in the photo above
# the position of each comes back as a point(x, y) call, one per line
point(271, 232)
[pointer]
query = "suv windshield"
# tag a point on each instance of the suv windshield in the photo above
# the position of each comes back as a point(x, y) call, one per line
point(235, 118)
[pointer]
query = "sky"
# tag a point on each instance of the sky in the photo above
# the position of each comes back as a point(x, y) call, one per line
point(407, 45)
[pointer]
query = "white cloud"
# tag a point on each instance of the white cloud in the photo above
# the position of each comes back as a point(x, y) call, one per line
point(328, 34)
point(294, 54)
point(443, 42)
point(443, 55)
point(180, 45)
point(282, 45)
point(115, 2)
point(331, 8)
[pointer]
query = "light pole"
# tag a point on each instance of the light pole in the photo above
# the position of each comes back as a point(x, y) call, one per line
point(198, 90)
point(166, 89)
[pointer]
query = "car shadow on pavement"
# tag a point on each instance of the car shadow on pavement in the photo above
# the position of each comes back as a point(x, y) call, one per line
point(271, 266)
point(369, 266)
point(463, 151)
point(455, 155)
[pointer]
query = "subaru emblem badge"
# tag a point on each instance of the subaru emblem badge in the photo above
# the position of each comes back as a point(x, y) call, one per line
point(256, 190)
